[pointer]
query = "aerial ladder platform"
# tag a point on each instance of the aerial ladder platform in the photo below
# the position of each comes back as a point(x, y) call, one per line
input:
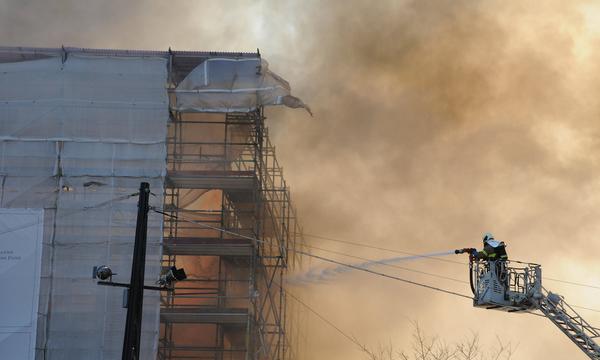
point(515, 286)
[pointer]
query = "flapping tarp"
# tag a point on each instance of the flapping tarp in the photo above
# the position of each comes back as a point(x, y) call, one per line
point(233, 85)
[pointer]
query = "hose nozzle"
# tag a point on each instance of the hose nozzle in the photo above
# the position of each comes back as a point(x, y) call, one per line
point(465, 250)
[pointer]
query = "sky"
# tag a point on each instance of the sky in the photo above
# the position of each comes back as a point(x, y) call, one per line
point(434, 122)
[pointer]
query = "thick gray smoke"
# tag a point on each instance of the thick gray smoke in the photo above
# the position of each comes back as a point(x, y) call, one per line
point(435, 121)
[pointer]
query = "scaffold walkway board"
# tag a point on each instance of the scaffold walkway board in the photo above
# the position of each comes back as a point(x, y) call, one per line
point(224, 180)
point(194, 315)
point(191, 352)
point(207, 246)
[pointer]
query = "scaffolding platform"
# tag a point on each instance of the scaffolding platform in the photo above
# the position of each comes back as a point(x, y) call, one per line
point(240, 195)
point(207, 246)
point(211, 179)
point(196, 352)
point(200, 315)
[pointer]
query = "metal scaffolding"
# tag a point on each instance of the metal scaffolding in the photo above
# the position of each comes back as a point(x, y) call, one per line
point(223, 174)
point(86, 126)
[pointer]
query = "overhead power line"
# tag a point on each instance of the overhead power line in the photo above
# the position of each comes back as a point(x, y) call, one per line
point(426, 273)
point(69, 213)
point(430, 274)
point(317, 256)
point(586, 308)
point(323, 318)
point(389, 265)
point(432, 258)
point(379, 248)
point(179, 217)
point(365, 246)
point(572, 283)
point(383, 274)
point(413, 282)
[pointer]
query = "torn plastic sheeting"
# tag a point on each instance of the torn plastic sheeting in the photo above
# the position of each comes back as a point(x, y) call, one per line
point(233, 85)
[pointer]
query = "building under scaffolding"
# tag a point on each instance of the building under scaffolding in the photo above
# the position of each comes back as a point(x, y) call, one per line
point(79, 130)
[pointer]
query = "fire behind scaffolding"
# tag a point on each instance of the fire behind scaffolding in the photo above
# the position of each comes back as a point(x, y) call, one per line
point(515, 286)
point(86, 127)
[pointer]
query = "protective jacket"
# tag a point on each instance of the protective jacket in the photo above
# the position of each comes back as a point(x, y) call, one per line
point(492, 250)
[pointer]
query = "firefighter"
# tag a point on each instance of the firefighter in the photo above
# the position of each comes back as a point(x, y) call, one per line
point(492, 249)
point(494, 254)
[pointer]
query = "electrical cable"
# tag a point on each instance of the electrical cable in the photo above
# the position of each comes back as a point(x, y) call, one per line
point(380, 248)
point(429, 257)
point(423, 272)
point(318, 257)
point(379, 262)
point(368, 246)
point(66, 214)
point(414, 282)
point(334, 261)
point(344, 334)
point(586, 308)
point(323, 318)
point(573, 283)
point(179, 217)
point(383, 274)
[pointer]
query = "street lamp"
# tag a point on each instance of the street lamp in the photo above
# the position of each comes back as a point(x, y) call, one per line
point(135, 288)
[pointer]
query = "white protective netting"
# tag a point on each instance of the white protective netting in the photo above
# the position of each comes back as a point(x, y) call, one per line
point(75, 136)
point(233, 85)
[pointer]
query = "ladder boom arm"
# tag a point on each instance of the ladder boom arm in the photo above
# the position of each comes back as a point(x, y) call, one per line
point(516, 286)
point(570, 323)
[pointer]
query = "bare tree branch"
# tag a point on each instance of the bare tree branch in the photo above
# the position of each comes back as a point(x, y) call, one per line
point(432, 348)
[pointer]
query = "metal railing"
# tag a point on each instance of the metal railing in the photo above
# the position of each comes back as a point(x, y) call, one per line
point(511, 285)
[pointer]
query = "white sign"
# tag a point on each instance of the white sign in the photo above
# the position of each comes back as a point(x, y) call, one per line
point(21, 232)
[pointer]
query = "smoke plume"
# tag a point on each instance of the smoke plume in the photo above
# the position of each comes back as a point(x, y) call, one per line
point(434, 122)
